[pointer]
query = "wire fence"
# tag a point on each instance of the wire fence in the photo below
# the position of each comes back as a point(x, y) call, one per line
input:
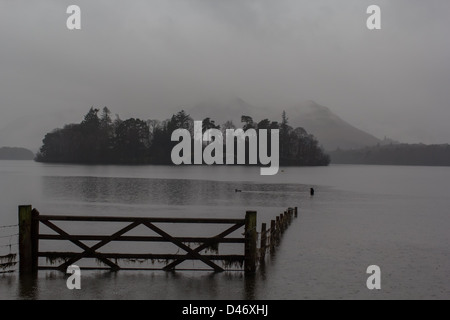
point(9, 236)
point(10, 226)
point(9, 246)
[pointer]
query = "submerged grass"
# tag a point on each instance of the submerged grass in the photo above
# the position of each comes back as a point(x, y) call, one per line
point(8, 262)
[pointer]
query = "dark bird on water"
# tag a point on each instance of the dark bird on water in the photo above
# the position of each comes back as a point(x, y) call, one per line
point(237, 190)
point(312, 192)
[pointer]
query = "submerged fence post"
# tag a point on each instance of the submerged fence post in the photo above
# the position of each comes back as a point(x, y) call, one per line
point(25, 240)
point(273, 231)
point(251, 239)
point(263, 246)
point(278, 228)
point(34, 240)
point(28, 240)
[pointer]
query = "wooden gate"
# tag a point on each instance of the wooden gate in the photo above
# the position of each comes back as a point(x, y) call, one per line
point(30, 236)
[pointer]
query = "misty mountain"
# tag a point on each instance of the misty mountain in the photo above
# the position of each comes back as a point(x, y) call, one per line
point(7, 153)
point(331, 131)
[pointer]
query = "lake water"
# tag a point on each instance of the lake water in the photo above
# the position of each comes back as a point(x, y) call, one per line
point(395, 217)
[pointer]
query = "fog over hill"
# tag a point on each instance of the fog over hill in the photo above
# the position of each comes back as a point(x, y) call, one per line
point(29, 130)
point(7, 153)
point(150, 59)
point(331, 131)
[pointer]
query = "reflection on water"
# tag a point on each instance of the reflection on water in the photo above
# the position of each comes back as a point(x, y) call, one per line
point(169, 192)
point(148, 285)
point(133, 285)
point(28, 287)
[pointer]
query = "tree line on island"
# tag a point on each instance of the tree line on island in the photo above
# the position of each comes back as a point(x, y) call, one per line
point(99, 139)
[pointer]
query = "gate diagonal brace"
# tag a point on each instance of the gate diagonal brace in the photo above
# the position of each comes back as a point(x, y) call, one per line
point(183, 246)
point(80, 244)
point(91, 251)
point(205, 245)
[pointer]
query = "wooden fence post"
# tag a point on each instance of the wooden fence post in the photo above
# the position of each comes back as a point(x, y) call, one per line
point(34, 240)
point(286, 218)
point(27, 241)
point(278, 228)
point(263, 246)
point(251, 238)
point(272, 235)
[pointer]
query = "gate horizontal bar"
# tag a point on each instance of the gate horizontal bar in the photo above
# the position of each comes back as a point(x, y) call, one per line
point(140, 219)
point(137, 238)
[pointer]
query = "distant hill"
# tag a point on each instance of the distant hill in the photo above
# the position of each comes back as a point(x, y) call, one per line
point(395, 154)
point(331, 131)
point(7, 153)
point(29, 130)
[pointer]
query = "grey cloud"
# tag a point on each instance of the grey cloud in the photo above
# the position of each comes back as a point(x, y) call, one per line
point(146, 58)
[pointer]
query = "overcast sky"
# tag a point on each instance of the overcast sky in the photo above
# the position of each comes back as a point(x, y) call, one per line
point(141, 57)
